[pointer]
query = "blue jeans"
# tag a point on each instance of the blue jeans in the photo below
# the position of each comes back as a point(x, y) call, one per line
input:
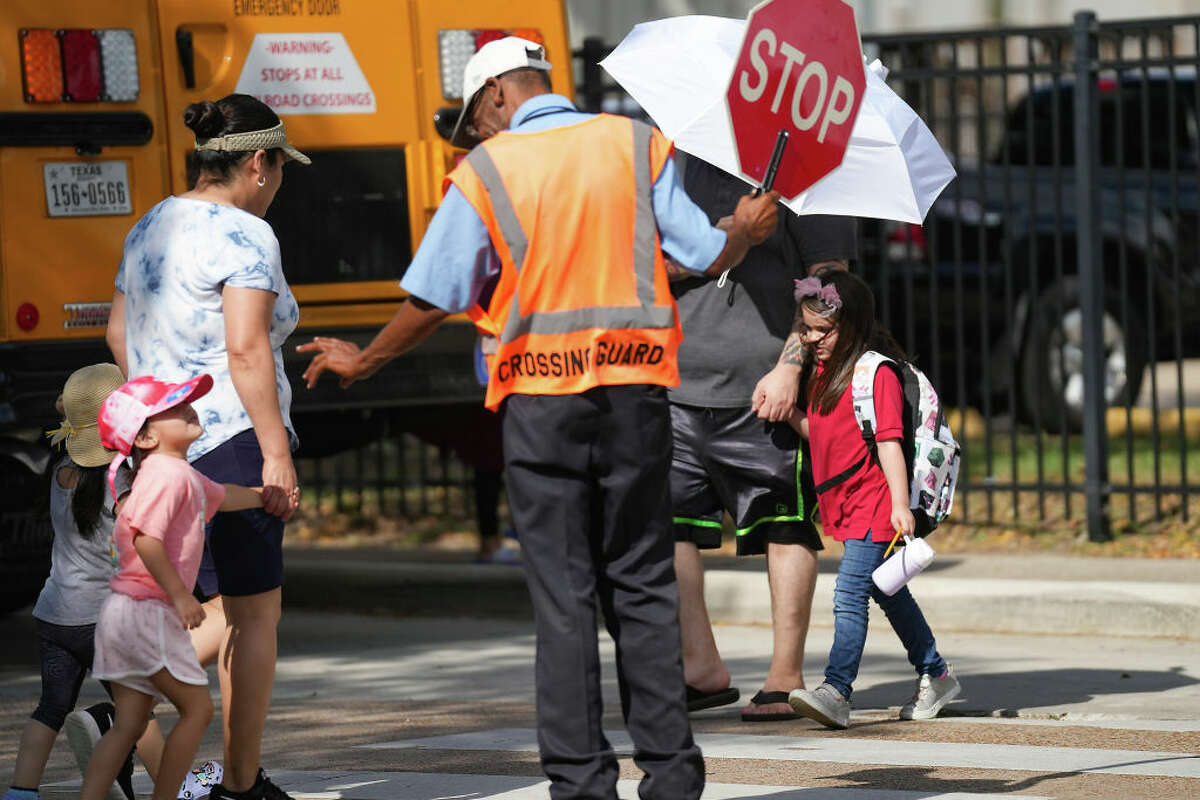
point(854, 586)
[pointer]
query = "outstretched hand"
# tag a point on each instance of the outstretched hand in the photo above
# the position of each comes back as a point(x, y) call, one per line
point(335, 355)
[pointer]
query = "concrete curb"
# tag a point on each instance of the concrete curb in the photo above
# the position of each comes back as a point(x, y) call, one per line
point(406, 589)
point(995, 605)
point(1145, 607)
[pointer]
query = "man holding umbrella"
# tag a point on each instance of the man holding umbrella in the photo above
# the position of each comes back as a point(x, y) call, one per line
point(739, 369)
point(569, 215)
point(704, 80)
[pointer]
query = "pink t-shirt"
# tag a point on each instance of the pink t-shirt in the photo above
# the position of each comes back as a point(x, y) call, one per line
point(171, 502)
point(863, 502)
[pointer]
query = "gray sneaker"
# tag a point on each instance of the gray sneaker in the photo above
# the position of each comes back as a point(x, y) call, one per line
point(931, 695)
point(825, 704)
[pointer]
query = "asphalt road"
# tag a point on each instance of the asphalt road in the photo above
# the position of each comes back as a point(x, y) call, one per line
point(380, 708)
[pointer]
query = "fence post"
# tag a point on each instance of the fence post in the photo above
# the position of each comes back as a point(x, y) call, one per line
point(1091, 274)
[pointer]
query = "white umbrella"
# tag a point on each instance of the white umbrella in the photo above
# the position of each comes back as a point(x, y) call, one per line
point(678, 69)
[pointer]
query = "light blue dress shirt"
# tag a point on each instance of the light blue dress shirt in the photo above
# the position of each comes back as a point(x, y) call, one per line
point(456, 259)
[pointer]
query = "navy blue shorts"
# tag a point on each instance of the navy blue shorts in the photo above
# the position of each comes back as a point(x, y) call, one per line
point(243, 550)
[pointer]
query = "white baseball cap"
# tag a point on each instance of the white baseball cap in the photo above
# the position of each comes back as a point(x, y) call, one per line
point(492, 60)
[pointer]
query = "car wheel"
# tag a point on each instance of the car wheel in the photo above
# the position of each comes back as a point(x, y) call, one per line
point(1052, 363)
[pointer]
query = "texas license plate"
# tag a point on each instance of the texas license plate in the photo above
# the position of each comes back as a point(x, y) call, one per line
point(86, 188)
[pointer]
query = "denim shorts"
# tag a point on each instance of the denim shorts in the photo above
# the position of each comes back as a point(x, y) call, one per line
point(243, 550)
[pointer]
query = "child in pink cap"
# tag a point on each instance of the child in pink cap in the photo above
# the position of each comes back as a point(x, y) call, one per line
point(142, 645)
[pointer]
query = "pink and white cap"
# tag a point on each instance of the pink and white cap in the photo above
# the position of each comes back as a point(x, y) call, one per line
point(125, 411)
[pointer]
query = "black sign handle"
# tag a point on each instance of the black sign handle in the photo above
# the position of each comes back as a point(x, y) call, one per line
point(773, 165)
point(768, 181)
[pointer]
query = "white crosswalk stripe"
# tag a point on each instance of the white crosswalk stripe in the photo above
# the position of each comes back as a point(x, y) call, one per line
point(384, 785)
point(864, 751)
point(349, 785)
point(425, 786)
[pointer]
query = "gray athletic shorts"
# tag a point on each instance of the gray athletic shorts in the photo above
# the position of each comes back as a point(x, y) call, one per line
point(727, 459)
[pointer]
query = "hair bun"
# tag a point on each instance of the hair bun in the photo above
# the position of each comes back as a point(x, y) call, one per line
point(205, 119)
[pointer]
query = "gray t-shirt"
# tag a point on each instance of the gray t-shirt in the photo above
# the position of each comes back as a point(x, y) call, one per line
point(80, 567)
point(732, 335)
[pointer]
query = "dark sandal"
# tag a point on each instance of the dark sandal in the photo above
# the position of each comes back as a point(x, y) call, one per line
point(698, 700)
point(764, 698)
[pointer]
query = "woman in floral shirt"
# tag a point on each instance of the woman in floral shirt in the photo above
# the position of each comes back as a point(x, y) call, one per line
point(201, 290)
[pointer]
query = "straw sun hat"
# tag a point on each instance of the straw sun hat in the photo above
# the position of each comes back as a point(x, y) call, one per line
point(82, 395)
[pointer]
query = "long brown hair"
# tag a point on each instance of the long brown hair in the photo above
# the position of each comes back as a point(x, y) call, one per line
point(87, 494)
point(857, 332)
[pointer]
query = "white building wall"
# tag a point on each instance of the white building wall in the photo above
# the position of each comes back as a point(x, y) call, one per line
point(612, 19)
point(894, 16)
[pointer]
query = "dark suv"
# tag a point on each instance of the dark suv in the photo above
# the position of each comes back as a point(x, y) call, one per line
point(994, 266)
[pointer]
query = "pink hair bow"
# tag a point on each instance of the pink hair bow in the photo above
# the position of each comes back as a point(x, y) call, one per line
point(827, 294)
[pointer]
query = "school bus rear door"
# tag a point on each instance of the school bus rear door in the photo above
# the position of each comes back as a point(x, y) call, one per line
point(357, 84)
point(339, 74)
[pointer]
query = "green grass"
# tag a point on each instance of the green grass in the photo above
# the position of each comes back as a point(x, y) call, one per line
point(1138, 461)
point(989, 517)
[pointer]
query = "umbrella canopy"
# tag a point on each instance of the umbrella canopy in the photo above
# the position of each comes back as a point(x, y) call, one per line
point(678, 69)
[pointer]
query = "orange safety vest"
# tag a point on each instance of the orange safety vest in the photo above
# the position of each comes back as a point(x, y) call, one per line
point(583, 298)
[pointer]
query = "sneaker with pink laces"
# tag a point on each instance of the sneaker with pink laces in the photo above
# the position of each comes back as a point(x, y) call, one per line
point(931, 696)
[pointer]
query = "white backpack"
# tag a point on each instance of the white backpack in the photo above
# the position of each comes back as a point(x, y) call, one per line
point(930, 450)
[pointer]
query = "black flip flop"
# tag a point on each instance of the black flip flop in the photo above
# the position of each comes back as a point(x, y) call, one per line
point(698, 700)
point(765, 699)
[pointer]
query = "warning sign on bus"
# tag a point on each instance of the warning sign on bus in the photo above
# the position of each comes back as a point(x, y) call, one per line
point(306, 73)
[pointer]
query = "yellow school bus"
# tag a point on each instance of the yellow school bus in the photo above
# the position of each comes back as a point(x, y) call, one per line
point(91, 136)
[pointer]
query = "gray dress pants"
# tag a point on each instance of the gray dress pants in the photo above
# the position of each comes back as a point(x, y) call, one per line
point(587, 479)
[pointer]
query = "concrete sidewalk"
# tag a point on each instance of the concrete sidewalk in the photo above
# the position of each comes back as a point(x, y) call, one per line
point(1032, 593)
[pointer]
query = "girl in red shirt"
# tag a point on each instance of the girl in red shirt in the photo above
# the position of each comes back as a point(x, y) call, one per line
point(865, 509)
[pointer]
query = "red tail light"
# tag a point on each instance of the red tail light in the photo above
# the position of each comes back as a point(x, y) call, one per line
point(907, 243)
point(457, 45)
point(487, 35)
point(81, 66)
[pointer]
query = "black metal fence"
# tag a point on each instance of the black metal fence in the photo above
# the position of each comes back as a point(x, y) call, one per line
point(398, 475)
point(1062, 266)
point(1054, 283)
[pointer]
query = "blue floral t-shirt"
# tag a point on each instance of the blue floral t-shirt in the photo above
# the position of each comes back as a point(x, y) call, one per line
point(178, 258)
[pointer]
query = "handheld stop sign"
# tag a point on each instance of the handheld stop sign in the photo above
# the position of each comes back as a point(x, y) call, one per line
point(795, 92)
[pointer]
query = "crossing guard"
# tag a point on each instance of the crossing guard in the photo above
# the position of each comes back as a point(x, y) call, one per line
point(564, 216)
